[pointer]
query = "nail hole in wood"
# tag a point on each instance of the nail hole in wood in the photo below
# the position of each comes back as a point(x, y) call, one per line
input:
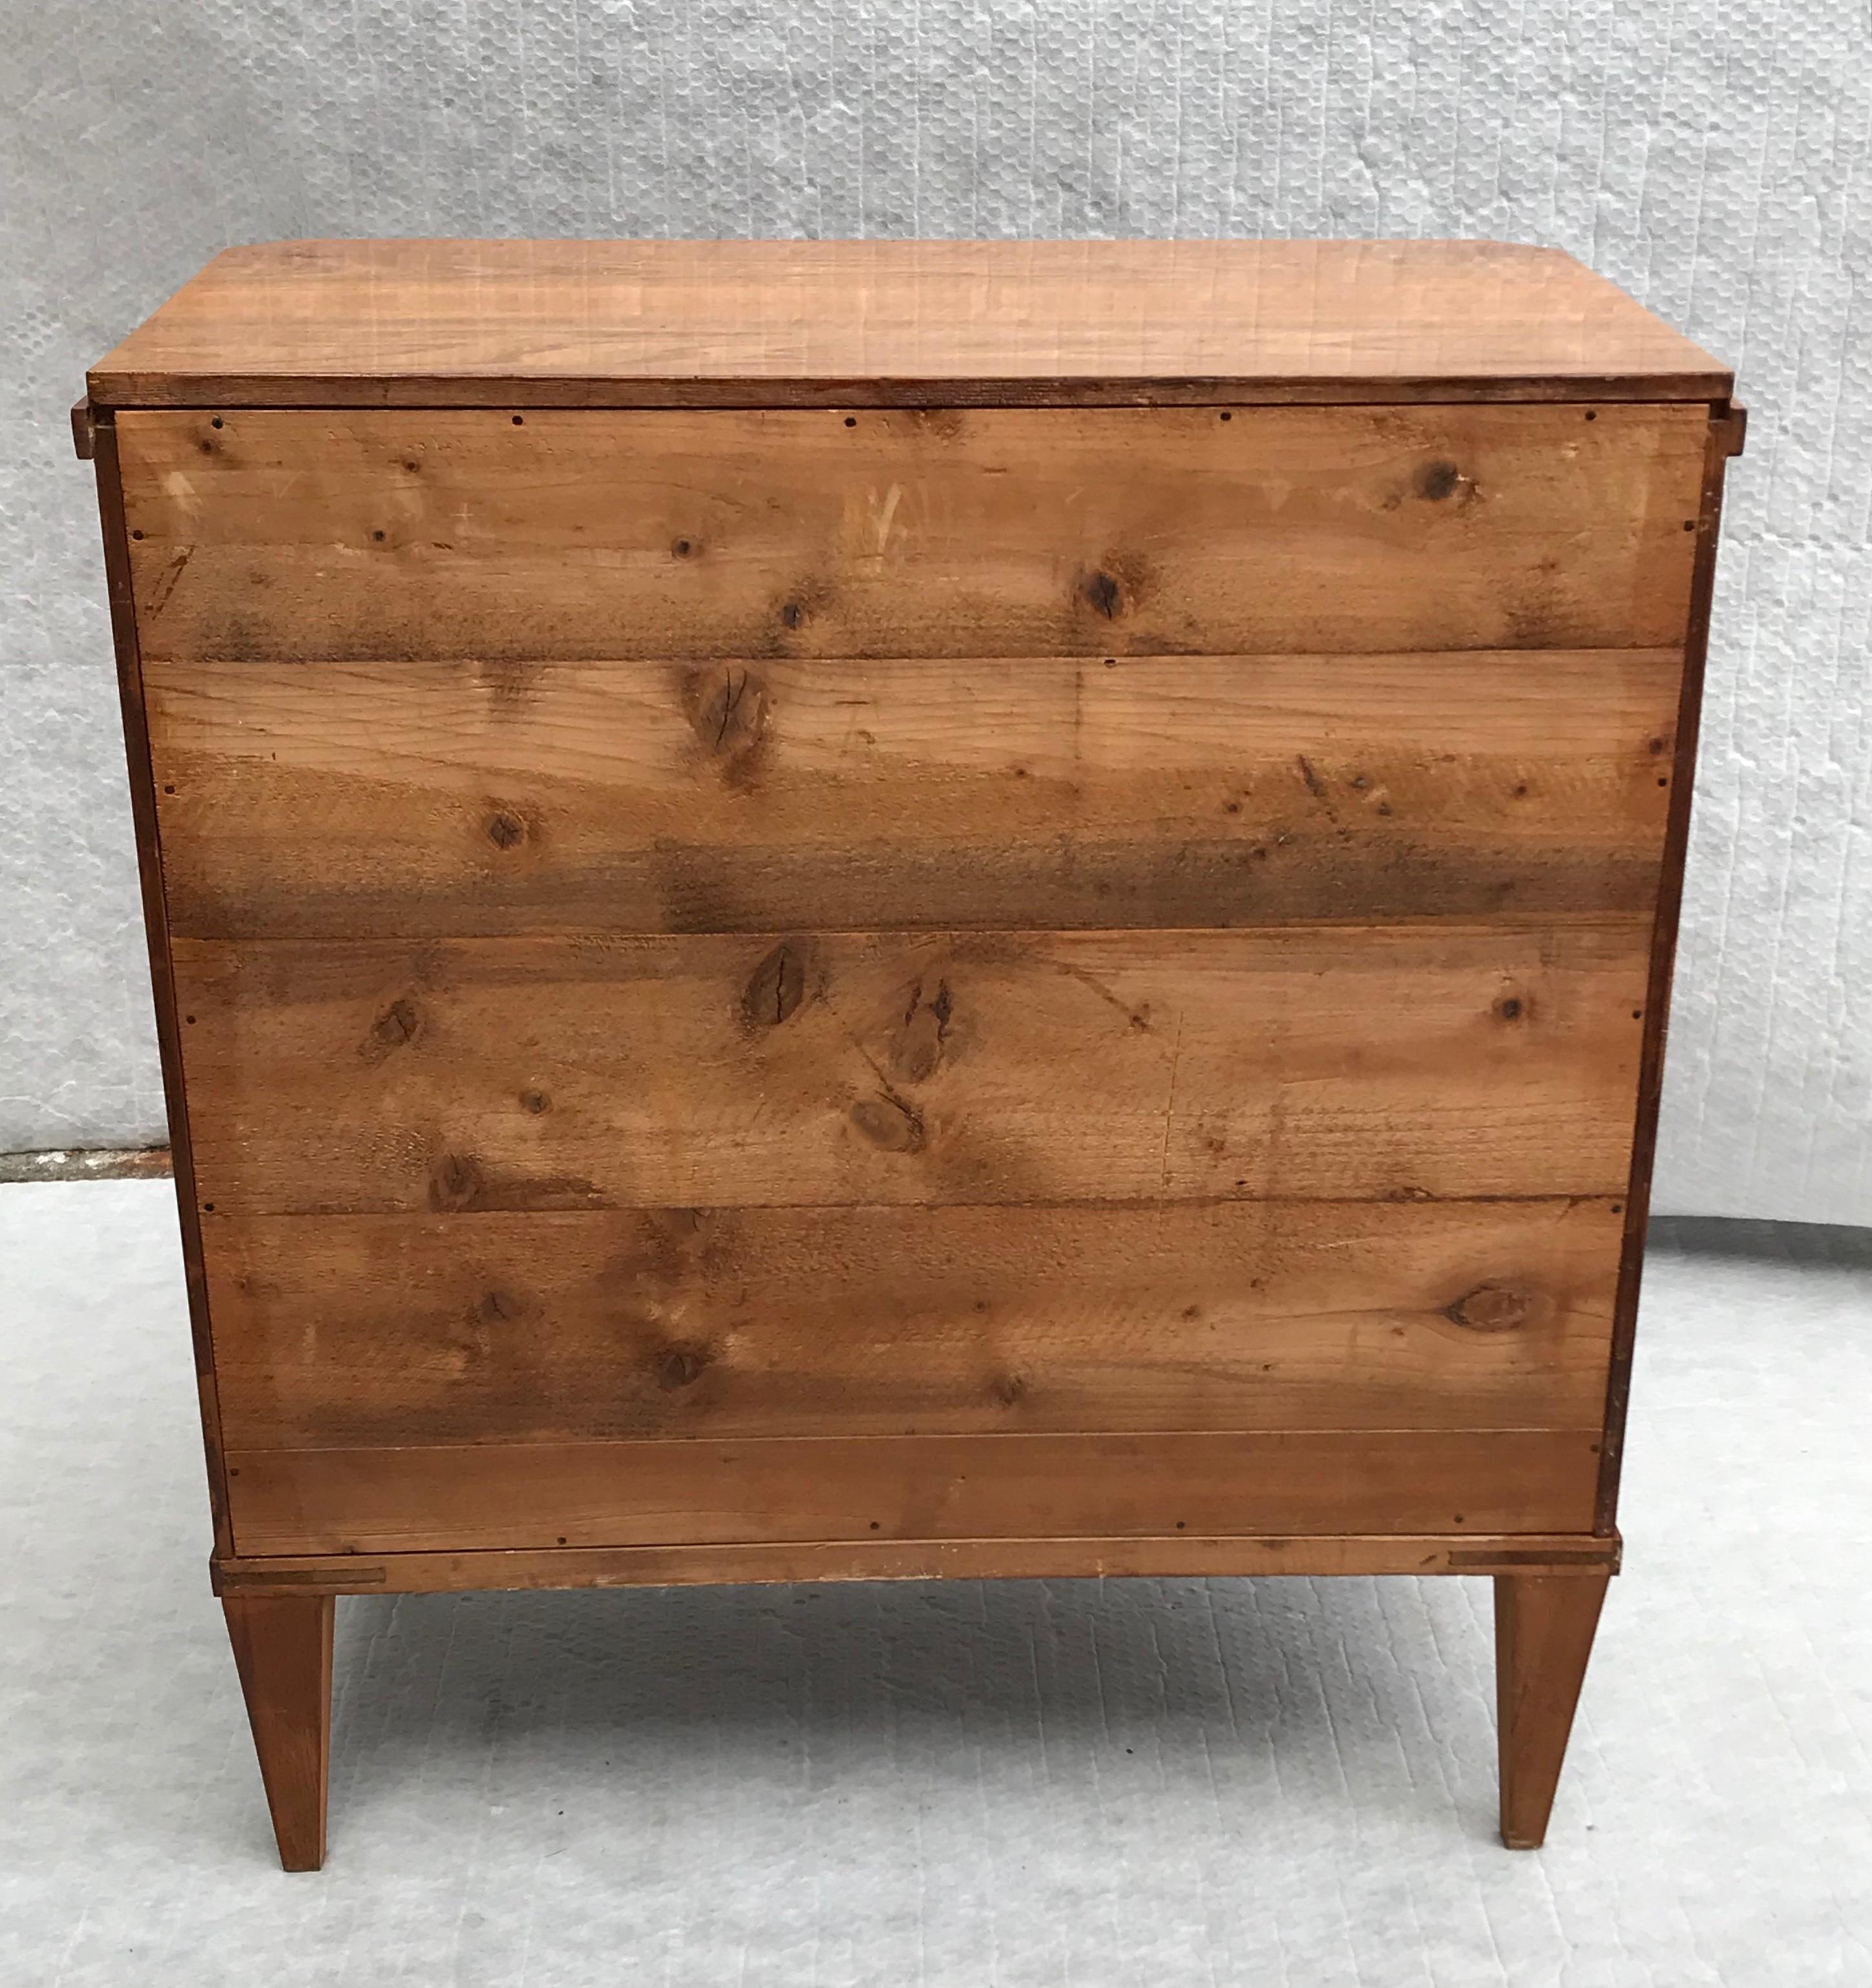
point(216, 422)
point(136, 535)
point(1590, 415)
point(519, 421)
point(168, 790)
point(851, 420)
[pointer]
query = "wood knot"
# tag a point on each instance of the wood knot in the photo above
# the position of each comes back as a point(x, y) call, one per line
point(454, 1183)
point(1436, 480)
point(498, 1307)
point(504, 830)
point(680, 1366)
point(793, 614)
point(535, 1101)
point(399, 1023)
point(1009, 1389)
point(727, 709)
point(1511, 1008)
point(775, 988)
point(890, 1123)
point(684, 548)
point(919, 1048)
point(1491, 1308)
point(1103, 595)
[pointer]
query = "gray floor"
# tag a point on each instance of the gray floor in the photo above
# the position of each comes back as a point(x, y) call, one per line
point(1262, 1783)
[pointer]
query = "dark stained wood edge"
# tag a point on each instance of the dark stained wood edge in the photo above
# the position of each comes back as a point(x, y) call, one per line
point(84, 439)
point(1177, 1558)
point(149, 869)
point(1543, 1641)
point(282, 1649)
point(1727, 424)
point(127, 391)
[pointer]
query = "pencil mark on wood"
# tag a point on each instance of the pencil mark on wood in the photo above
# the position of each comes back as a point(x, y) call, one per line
point(1139, 1016)
point(166, 583)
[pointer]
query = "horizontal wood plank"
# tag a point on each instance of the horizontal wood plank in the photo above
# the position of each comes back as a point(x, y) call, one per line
point(336, 1331)
point(276, 535)
point(1334, 1063)
point(541, 1495)
point(1183, 1554)
point(413, 799)
point(440, 324)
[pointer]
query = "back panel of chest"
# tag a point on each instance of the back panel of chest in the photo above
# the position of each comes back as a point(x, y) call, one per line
point(810, 976)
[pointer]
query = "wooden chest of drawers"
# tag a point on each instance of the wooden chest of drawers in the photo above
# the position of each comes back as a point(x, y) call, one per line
point(841, 910)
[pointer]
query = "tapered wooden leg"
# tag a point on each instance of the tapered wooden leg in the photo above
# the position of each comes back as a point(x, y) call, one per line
point(1543, 1635)
point(282, 1648)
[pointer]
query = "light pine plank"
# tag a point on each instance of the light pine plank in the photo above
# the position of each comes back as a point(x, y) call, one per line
point(480, 797)
point(431, 324)
point(285, 535)
point(1431, 1062)
point(334, 1331)
point(541, 1495)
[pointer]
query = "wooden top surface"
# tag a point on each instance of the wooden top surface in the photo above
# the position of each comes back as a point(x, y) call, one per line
point(737, 323)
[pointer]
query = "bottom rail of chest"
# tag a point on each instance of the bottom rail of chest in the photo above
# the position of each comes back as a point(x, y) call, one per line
point(1178, 1556)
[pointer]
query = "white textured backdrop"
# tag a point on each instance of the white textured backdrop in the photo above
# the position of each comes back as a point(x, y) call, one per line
point(1712, 156)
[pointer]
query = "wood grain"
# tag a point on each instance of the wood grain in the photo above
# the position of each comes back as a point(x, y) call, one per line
point(1181, 1554)
point(1544, 1628)
point(656, 1493)
point(434, 323)
point(414, 798)
point(1723, 443)
point(283, 1649)
point(354, 1330)
point(457, 1077)
point(370, 537)
point(142, 783)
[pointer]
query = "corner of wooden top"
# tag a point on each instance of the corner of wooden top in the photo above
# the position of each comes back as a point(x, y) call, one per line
point(1730, 419)
point(84, 427)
